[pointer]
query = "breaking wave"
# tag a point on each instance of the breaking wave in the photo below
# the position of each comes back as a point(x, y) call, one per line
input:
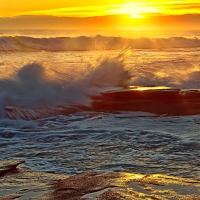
point(84, 43)
point(35, 91)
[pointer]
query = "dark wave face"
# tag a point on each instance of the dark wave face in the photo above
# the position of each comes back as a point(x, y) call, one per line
point(85, 43)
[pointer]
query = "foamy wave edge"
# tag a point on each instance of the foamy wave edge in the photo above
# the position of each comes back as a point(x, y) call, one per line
point(98, 42)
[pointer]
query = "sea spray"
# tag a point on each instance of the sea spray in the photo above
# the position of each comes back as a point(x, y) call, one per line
point(68, 80)
point(32, 88)
point(177, 72)
point(108, 72)
point(35, 88)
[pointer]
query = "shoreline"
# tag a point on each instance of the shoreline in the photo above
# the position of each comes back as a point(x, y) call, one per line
point(18, 183)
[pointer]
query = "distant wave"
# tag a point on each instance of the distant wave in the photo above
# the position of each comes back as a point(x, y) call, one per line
point(83, 43)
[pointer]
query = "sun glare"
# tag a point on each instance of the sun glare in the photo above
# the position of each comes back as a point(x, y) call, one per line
point(135, 10)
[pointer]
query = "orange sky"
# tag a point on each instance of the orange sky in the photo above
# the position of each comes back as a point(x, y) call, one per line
point(90, 14)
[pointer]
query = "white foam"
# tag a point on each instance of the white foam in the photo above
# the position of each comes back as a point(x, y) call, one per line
point(33, 93)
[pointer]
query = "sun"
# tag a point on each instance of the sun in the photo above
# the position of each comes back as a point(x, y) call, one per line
point(135, 10)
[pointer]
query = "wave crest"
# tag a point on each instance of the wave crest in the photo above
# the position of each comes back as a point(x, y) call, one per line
point(84, 43)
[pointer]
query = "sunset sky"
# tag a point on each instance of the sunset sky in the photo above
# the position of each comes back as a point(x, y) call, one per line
point(104, 14)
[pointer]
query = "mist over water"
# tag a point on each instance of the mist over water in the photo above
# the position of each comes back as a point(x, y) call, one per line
point(39, 84)
point(35, 86)
point(73, 76)
point(32, 87)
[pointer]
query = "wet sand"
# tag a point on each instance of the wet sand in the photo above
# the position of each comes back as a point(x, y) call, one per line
point(21, 184)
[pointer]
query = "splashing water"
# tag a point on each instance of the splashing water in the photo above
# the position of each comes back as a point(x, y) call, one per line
point(34, 86)
point(51, 85)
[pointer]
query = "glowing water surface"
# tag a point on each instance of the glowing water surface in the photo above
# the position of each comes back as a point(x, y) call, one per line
point(96, 141)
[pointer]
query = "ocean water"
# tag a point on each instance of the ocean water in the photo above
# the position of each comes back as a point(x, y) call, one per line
point(44, 70)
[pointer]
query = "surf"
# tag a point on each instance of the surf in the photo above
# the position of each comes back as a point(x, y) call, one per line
point(104, 84)
point(34, 91)
point(88, 43)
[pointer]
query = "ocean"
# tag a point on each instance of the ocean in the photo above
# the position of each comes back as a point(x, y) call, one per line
point(44, 70)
